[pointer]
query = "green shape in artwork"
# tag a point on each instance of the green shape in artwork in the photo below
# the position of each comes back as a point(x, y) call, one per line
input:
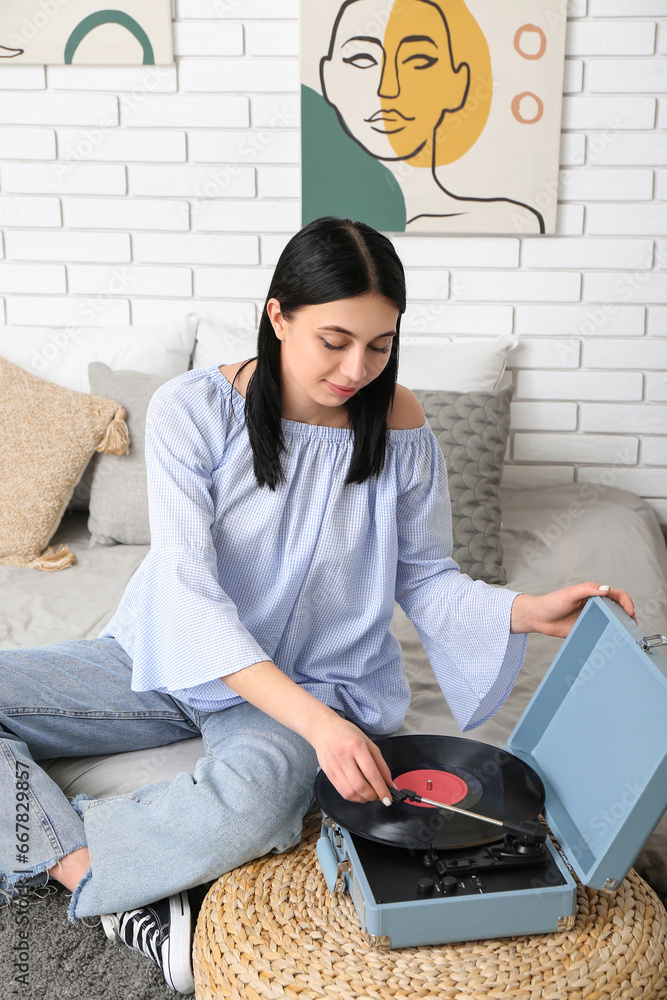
point(338, 177)
point(85, 26)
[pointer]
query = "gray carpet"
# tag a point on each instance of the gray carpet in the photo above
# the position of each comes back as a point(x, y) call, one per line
point(69, 962)
point(77, 963)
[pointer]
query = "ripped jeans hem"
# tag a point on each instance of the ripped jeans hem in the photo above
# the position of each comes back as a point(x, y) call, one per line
point(77, 800)
point(71, 916)
point(17, 884)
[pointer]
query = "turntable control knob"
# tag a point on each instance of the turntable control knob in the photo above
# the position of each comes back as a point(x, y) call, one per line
point(449, 885)
point(425, 886)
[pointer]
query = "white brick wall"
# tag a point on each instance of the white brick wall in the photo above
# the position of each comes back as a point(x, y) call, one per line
point(102, 142)
point(57, 109)
point(65, 246)
point(544, 416)
point(201, 184)
point(206, 249)
point(611, 38)
point(580, 448)
point(50, 279)
point(87, 178)
point(28, 144)
point(657, 321)
point(579, 385)
point(188, 111)
point(92, 279)
point(139, 194)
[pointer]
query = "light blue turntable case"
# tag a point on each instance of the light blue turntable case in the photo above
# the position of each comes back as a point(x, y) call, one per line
point(596, 733)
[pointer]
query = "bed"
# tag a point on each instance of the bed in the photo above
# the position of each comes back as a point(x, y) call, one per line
point(530, 540)
point(550, 537)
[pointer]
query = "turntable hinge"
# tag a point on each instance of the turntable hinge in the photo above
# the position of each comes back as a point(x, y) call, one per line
point(343, 866)
point(330, 824)
point(379, 940)
point(649, 642)
point(567, 923)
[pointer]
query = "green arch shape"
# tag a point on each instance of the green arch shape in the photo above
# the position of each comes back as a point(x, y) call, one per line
point(109, 17)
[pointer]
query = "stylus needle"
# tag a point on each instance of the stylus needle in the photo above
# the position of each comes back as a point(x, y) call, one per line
point(529, 828)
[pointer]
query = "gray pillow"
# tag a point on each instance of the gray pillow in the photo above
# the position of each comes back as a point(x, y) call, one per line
point(118, 493)
point(471, 429)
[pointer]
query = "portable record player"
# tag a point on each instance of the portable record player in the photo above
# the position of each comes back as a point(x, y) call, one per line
point(422, 874)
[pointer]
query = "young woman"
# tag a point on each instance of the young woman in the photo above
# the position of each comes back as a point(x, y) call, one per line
point(293, 498)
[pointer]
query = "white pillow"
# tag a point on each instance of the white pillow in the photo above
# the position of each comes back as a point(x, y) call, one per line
point(453, 364)
point(221, 343)
point(61, 354)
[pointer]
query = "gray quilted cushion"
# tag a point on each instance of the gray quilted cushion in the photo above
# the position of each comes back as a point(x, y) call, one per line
point(118, 492)
point(471, 429)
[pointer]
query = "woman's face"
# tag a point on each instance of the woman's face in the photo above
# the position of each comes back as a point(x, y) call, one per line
point(329, 352)
point(390, 75)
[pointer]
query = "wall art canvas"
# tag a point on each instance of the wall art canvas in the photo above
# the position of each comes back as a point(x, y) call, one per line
point(86, 32)
point(432, 115)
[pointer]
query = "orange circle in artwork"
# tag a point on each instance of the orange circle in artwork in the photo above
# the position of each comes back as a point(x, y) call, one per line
point(543, 41)
point(516, 108)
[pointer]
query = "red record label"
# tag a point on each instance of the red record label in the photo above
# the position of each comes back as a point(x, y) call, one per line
point(443, 786)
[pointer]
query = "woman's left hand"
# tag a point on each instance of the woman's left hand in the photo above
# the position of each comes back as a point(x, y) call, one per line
point(556, 613)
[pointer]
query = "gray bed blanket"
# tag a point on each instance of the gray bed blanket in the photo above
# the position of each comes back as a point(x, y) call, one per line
point(551, 537)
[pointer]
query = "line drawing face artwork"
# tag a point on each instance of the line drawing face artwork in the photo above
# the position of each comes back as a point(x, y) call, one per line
point(8, 53)
point(411, 84)
point(84, 32)
point(392, 93)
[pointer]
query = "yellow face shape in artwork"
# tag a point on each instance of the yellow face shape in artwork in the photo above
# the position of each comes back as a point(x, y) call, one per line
point(391, 76)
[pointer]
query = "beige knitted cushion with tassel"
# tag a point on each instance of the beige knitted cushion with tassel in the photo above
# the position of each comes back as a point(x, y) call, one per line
point(47, 437)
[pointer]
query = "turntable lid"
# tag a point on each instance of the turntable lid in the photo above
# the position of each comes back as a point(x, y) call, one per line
point(596, 733)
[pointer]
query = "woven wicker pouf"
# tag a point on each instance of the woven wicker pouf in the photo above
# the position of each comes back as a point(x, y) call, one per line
point(271, 930)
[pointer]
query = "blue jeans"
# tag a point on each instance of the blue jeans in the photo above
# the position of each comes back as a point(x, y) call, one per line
point(246, 797)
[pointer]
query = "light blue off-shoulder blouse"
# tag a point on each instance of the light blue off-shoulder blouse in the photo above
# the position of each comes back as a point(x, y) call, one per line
point(307, 575)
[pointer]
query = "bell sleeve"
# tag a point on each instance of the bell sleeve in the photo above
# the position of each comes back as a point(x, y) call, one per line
point(464, 624)
point(186, 629)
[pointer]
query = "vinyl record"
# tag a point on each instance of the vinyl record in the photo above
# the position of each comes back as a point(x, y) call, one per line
point(468, 774)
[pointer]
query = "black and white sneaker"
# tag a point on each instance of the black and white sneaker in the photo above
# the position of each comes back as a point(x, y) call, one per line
point(160, 931)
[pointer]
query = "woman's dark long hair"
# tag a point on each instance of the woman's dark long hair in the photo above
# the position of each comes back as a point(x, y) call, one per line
point(328, 259)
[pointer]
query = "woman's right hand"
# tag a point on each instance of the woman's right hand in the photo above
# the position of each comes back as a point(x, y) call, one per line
point(352, 762)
